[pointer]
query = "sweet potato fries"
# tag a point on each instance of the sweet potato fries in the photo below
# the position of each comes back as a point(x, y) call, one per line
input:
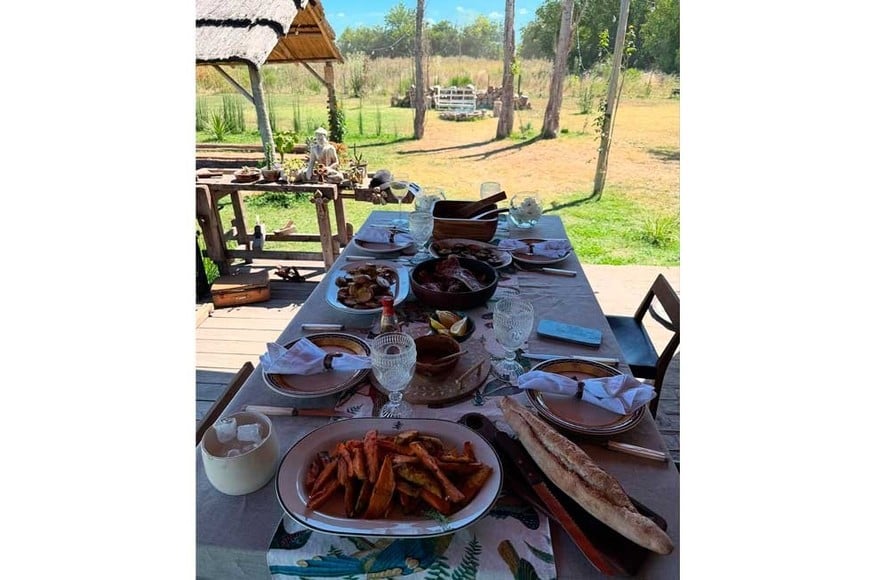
point(409, 472)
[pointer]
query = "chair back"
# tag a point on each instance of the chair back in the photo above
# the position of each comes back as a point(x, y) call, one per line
point(669, 301)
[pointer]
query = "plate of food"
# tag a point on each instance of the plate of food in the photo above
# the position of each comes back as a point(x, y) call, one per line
point(569, 412)
point(527, 256)
point(325, 383)
point(357, 287)
point(482, 251)
point(455, 480)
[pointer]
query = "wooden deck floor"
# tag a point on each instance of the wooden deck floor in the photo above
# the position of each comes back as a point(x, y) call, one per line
point(228, 337)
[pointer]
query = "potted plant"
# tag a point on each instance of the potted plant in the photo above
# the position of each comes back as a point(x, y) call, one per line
point(270, 171)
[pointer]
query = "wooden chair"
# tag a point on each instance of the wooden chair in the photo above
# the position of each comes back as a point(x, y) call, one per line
point(218, 406)
point(640, 352)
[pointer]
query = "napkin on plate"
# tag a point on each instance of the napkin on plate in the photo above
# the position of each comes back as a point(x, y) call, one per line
point(547, 248)
point(306, 358)
point(382, 236)
point(621, 394)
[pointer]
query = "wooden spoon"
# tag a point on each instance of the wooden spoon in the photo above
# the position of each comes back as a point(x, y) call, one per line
point(473, 208)
point(449, 357)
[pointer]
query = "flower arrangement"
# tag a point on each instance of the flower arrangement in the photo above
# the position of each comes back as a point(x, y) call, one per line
point(525, 211)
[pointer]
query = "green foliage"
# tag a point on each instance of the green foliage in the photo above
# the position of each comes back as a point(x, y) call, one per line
point(275, 199)
point(379, 122)
point(284, 142)
point(273, 115)
point(661, 36)
point(297, 117)
point(357, 64)
point(337, 124)
point(360, 123)
point(660, 231)
point(201, 114)
point(460, 81)
point(218, 127)
point(233, 113)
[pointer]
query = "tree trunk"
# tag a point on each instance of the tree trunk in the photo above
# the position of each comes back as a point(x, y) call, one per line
point(610, 108)
point(551, 115)
point(506, 119)
point(419, 84)
point(260, 105)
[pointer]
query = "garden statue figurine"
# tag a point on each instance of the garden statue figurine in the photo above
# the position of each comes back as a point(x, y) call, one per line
point(323, 160)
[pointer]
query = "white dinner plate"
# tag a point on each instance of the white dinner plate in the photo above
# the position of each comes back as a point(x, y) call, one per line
point(534, 259)
point(399, 289)
point(466, 249)
point(330, 518)
point(325, 383)
point(381, 248)
point(574, 414)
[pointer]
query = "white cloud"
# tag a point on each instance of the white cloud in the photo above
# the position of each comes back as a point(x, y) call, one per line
point(495, 16)
point(522, 11)
point(340, 15)
point(460, 9)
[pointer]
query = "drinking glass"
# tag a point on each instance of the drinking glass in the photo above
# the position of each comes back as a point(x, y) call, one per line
point(394, 356)
point(488, 188)
point(399, 187)
point(427, 198)
point(512, 321)
point(420, 226)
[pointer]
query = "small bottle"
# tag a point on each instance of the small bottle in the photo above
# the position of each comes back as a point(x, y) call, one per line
point(389, 322)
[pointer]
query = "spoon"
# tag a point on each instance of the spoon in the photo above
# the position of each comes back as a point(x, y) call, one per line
point(449, 357)
point(490, 213)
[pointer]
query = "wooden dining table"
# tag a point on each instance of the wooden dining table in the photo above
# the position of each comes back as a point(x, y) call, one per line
point(234, 532)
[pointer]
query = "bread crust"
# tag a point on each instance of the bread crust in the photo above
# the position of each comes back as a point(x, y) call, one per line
point(574, 472)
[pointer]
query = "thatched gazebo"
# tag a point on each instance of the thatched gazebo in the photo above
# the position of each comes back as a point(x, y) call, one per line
point(257, 32)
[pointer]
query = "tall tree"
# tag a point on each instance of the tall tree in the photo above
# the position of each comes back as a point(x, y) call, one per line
point(506, 119)
point(419, 88)
point(661, 35)
point(612, 101)
point(550, 126)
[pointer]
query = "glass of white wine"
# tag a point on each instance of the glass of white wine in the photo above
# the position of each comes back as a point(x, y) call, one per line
point(399, 188)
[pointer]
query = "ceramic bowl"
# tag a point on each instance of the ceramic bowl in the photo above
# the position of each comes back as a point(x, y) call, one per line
point(455, 300)
point(249, 470)
point(432, 347)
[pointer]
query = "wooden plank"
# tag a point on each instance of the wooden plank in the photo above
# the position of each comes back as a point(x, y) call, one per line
point(210, 391)
point(210, 376)
point(251, 348)
point(250, 312)
point(202, 408)
point(229, 323)
point(221, 360)
point(244, 335)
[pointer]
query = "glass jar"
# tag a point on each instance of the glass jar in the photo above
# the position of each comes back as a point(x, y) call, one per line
point(525, 210)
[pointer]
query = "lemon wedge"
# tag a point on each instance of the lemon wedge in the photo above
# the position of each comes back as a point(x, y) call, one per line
point(460, 327)
point(446, 317)
point(437, 325)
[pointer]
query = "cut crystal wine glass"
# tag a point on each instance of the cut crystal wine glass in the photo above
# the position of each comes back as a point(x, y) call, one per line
point(512, 321)
point(394, 356)
point(420, 226)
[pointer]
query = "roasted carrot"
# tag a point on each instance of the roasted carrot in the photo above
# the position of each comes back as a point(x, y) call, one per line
point(452, 492)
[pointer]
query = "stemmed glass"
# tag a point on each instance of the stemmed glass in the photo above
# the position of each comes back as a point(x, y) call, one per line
point(427, 198)
point(399, 187)
point(512, 321)
point(394, 356)
point(420, 226)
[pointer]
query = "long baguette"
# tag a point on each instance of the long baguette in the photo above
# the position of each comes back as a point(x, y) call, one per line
point(574, 472)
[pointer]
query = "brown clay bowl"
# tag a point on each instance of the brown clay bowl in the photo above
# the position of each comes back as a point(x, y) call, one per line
point(432, 347)
point(455, 300)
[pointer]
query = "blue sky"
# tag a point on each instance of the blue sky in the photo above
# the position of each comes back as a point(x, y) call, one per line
point(342, 14)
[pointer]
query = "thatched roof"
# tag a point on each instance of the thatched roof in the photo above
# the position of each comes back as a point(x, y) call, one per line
point(261, 31)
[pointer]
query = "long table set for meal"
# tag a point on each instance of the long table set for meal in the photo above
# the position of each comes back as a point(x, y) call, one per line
point(460, 409)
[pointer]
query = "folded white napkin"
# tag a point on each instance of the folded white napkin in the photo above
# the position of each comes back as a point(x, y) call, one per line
point(547, 248)
point(621, 394)
point(306, 358)
point(382, 236)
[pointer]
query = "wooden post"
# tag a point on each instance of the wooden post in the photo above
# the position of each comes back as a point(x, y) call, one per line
point(610, 109)
point(239, 221)
point(331, 102)
point(260, 105)
point(320, 202)
point(550, 126)
point(340, 223)
point(209, 222)
point(419, 88)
